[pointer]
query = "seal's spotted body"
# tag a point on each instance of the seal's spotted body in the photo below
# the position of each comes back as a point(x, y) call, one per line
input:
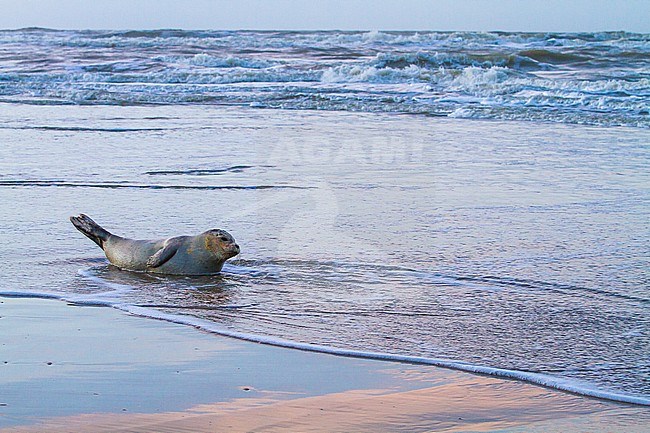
point(203, 254)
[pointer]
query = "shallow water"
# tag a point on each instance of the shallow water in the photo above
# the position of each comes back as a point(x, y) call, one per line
point(511, 245)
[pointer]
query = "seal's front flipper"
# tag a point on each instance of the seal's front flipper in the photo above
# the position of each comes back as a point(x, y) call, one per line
point(163, 255)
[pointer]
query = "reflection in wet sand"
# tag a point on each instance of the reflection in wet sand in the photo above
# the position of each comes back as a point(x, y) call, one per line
point(473, 404)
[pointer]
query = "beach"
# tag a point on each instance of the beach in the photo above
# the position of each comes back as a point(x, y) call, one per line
point(93, 369)
point(438, 231)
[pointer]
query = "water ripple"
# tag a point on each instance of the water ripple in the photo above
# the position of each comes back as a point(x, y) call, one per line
point(128, 185)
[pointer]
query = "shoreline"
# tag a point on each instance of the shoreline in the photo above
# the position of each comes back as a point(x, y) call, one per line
point(546, 381)
point(99, 369)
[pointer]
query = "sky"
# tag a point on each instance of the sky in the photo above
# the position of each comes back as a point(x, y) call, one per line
point(476, 15)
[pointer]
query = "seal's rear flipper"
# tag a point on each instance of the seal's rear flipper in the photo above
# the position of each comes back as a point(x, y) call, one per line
point(91, 229)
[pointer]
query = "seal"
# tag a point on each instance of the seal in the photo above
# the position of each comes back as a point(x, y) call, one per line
point(202, 254)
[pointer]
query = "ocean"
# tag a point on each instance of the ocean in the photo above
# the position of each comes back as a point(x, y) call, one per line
point(477, 201)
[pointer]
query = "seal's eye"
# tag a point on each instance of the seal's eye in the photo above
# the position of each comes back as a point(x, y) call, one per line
point(223, 238)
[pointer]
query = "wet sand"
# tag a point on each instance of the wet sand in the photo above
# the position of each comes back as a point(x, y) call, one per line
point(92, 369)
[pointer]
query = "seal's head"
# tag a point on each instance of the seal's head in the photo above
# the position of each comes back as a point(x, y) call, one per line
point(221, 243)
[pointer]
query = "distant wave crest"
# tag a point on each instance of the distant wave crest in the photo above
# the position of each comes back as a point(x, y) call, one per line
point(585, 78)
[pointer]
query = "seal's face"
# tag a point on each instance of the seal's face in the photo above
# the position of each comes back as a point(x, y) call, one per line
point(221, 243)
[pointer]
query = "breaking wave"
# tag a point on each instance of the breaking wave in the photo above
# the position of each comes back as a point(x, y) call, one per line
point(584, 78)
